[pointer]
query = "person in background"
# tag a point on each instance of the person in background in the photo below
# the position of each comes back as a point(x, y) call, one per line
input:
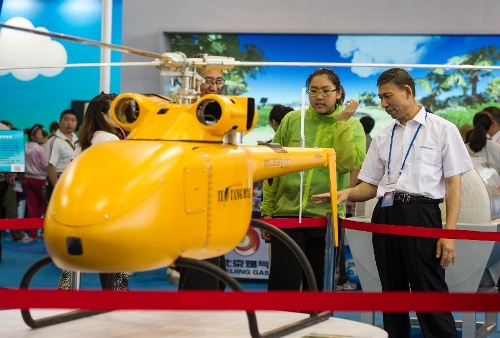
point(192, 279)
point(6, 124)
point(59, 149)
point(424, 169)
point(368, 123)
point(327, 124)
point(35, 176)
point(494, 131)
point(277, 114)
point(464, 130)
point(97, 126)
point(53, 128)
point(481, 144)
point(7, 196)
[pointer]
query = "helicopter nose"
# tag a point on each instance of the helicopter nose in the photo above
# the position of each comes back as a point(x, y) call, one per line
point(74, 246)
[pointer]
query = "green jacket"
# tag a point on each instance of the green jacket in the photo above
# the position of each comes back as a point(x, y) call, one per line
point(321, 131)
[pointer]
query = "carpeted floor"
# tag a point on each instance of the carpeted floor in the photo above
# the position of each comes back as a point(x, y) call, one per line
point(17, 257)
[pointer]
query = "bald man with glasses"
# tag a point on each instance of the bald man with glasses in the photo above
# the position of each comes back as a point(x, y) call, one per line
point(192, 279)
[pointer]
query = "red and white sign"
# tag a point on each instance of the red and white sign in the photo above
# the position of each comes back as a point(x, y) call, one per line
point(250, 259)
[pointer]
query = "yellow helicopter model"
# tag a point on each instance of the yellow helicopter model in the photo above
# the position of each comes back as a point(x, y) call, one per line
point(173, 188)
point(178, 186)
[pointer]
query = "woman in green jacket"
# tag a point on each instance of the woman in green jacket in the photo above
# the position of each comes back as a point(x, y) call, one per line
point(327, 124)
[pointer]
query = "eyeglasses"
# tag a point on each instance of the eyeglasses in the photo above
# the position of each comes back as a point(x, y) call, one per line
point(218, 82)
point(323, 92)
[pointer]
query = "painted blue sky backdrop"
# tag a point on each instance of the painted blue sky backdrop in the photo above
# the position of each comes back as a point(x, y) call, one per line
point(283, 84)
point(41, 100)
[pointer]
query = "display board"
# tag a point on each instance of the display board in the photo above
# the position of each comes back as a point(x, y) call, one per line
point(12, 151)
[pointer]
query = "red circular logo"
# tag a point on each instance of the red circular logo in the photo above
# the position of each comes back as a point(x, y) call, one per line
point(250, 244)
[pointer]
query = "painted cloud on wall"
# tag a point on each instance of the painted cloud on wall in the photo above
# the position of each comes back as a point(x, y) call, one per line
point(382, 49)
point(20, 49)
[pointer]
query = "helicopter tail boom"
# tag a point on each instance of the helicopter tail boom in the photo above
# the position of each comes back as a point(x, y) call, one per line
point(274, 160)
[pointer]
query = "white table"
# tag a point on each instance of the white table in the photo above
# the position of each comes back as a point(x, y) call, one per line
point(177, 324)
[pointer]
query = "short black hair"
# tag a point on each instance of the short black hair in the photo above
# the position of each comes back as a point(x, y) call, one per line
point(399, 77)
point(368, 123)
point(278, 112)
point(67, 112)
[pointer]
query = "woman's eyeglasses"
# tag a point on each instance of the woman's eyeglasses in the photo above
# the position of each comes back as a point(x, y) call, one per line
point(323, 92)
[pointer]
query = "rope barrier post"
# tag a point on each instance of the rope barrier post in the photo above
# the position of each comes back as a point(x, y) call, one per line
point(330, 258)
point(75, 280)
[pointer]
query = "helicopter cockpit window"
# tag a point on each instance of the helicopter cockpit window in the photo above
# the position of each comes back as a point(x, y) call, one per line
point(209, 112)
point(132, 111)
point(127, 111)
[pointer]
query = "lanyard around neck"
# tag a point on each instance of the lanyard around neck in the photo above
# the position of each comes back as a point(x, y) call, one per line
point(407, 152)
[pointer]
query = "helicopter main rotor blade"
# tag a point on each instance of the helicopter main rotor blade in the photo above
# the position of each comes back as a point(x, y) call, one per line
point(176, 61)
point(84, 65)
point(123, 49)
point(352, 64)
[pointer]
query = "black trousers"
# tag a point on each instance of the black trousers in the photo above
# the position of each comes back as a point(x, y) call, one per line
point(286, 272)
point(192, 279)
point(406, 263)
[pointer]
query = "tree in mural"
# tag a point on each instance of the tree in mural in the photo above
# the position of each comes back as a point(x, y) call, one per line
point(367, 98)
point(435, 82)
point(222, 45)
point(443, 80)
point(493, 89)
point(484, 56)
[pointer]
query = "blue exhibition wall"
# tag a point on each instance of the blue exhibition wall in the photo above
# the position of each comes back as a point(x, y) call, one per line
point(40, 96)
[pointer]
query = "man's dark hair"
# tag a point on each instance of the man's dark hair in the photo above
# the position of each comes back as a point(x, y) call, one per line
point(399, 77)
point(67, 112)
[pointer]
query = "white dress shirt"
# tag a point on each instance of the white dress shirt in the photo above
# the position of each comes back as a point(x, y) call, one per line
point(438, 151)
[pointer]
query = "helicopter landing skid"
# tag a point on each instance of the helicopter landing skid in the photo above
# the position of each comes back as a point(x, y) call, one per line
point(211, 269)
point(223, 276)
point(57, 319)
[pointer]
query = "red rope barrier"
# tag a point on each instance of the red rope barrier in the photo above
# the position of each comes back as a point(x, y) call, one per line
point(293, 222)
point(286, 223)
point(21, 223)
point(300, 301)
point(406, 230)
point(250, 301)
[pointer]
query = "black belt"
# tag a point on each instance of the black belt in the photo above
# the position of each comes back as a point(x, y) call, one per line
point(407, 198)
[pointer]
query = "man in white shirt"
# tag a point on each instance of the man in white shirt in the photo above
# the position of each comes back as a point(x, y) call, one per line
point(60, 147)
point(411, 166)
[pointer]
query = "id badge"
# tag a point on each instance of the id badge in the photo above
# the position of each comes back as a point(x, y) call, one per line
point(388, 199)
